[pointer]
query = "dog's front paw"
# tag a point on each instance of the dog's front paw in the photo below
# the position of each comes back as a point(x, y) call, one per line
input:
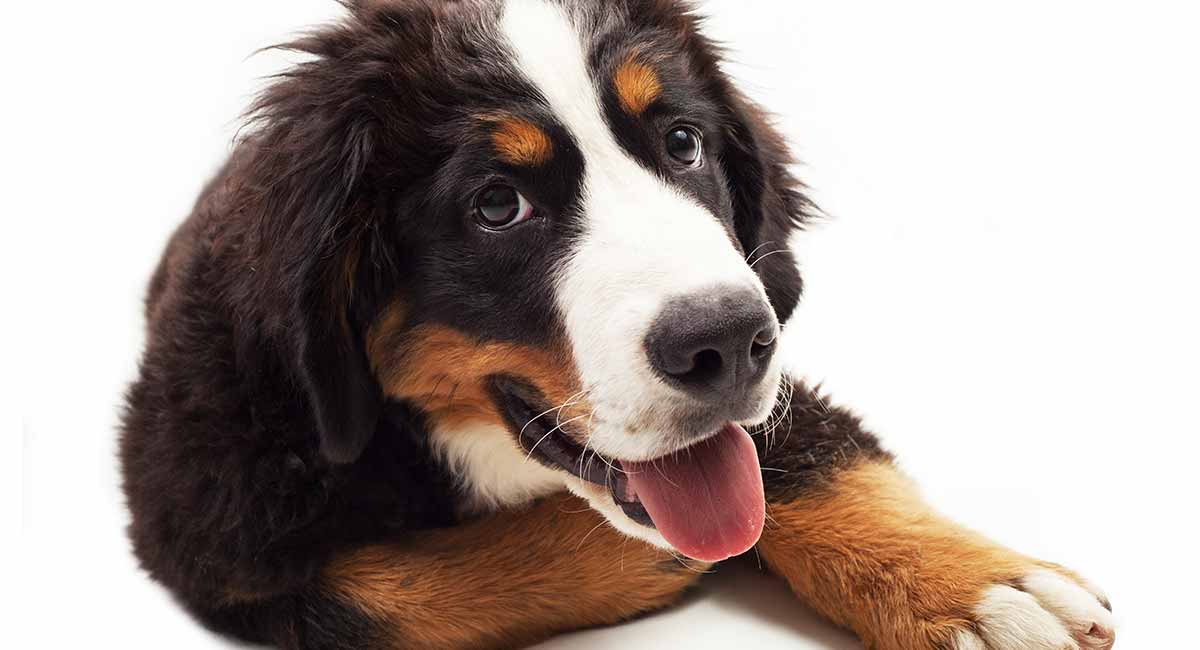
point(1045, 609)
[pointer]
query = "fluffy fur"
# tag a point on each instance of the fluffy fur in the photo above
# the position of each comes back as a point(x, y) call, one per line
point(326, 443)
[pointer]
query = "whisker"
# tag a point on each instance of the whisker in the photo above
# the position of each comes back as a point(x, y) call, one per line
point(609, 463)
point(779, 413)
point(557, 428)
point(654, 464)
point(680, 559)
point(589, 534)
point(558, 421)
point(608, 478)
point(587, 468)
point(758, 248)
point(576, 512)
point(782, 250)
point(587, 441)
point(535, 419)
point(571, 401)
point(824, 407)
point(790, 391)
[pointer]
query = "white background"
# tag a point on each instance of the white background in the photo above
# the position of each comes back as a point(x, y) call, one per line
point(1006, 287)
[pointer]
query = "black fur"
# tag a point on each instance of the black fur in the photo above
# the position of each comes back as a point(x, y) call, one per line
point(807, 443)
point(256, 441)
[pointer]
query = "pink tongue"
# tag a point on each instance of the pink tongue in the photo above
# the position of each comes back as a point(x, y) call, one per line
point(707, 500)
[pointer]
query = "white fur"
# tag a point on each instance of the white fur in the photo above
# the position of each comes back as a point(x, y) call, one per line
point(966, 640)
point(1050, 612)
point(1014, 620)
point(600, 499)
point(495, 471)
point(1089, 622)
point(645, 242)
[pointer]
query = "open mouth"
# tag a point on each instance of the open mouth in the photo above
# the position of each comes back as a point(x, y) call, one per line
point(706, 499)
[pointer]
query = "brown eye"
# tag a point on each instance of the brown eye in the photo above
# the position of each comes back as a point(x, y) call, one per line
point(685, 145)
point(499, 207)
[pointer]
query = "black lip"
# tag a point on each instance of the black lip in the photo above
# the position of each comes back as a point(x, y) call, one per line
point(632, 509)
point(539, 433)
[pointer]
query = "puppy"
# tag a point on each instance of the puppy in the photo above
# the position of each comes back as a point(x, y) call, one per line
point(476, 332)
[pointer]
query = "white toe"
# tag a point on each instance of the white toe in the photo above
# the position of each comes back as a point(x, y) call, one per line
point(1014, 620)
point(1088, 621)
point(965, 640)
point(1096, 591)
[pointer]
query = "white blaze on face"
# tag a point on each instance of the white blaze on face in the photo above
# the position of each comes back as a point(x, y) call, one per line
point(644, 242)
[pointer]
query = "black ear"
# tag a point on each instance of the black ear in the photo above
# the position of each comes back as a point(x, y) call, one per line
point(332, 367)
point(310, 150)
point(768, 201)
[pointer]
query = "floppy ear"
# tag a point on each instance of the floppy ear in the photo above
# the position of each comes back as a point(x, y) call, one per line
point(768, 201)
point(330, 359)
point(310, 152)
point(344, 397)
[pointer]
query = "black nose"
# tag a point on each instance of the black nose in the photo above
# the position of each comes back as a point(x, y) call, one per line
point(714, 344)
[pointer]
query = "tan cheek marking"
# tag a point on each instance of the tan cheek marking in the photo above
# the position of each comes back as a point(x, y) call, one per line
point(637, 86)
point(442, 371)
point(520, 142)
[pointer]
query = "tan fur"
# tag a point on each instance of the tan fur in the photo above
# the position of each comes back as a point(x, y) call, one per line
point(637, 86)
point(520, 142)
point(385, 334)
point(443, 370)
point(870, 555)
point(509, 580)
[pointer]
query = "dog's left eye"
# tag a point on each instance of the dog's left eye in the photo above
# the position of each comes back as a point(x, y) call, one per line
point(500, 207)
point(685, 145)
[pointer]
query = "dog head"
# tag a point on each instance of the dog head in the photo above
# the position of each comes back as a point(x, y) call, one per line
point(552, 227)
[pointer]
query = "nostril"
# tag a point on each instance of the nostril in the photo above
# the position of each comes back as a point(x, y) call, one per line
point(763, 344)
point(715, 345)
point(759, 350)
point(706, 365)
point(765, 337)
point(703, 367)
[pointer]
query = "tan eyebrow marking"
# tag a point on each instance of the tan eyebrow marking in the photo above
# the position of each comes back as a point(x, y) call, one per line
point(520, 142)
point(637, 86)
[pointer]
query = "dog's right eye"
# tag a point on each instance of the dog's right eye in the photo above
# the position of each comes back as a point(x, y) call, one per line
point(500, 207)
point(685, 145)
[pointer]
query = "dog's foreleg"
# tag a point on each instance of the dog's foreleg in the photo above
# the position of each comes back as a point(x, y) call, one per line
point(855, 541)
point(506, 581)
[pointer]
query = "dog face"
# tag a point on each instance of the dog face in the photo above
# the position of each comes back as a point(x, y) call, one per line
point(551, 227)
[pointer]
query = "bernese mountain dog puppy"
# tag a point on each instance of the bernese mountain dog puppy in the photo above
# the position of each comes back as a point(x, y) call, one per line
point(473, 341)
